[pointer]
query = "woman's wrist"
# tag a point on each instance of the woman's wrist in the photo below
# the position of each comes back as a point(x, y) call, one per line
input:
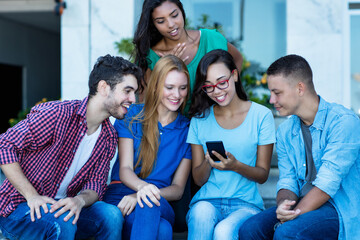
point(141, 185)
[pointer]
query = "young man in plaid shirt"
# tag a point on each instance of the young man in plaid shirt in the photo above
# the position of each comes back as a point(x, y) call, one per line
point(57, 161)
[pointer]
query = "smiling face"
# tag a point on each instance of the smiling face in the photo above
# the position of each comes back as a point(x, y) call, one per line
point(121, 97)
point(284, 94)
point(216, 73)
point(174, 91)
point(168, 20)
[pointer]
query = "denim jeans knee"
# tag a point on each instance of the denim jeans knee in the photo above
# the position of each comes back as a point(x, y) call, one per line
point(202, 211)
point(165, 231)
point(260, 226)
point(322, 223)
point(201, 219)
point(148, 221)
point(18, 225)
point(108, 215)
point(99, 220)
point(238, 212)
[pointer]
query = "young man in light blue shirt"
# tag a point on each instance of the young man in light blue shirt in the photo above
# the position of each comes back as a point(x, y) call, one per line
point(319, 162)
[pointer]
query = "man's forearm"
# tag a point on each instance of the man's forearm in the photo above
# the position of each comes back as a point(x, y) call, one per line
point(88, 197)
point(314, 199)
point(17, 178)
point(285, 194)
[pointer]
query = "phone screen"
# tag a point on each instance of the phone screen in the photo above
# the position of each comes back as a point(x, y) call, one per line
point(216, 146)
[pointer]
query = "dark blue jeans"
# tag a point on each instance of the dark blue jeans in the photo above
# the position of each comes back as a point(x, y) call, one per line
point(143, 223)
point(98, 220)
point(322, 223)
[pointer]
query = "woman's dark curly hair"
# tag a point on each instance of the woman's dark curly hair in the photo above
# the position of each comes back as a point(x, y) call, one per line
point(200, 101)
point(146, 34)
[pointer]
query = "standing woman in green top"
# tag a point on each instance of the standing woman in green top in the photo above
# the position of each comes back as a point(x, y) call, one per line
point(161, 31)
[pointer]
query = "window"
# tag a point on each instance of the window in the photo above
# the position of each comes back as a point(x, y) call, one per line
point(264, 25)
point(351, 63)
point(354, 62)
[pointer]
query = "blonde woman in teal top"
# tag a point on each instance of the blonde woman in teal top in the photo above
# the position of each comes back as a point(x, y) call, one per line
point(161, 31)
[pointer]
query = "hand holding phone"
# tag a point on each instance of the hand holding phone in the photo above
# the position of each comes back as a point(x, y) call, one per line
point(216, 146)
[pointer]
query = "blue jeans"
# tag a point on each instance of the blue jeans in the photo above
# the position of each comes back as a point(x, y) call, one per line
point(322, 223)
point(98, 221)
point(143, 223)
point(218, 218)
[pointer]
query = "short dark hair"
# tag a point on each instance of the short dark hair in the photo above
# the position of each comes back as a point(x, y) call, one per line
point(200, 102)
point(293, 66)
point(112, 70)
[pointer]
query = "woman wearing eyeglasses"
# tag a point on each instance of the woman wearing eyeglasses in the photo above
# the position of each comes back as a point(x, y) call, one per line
point(221, 111)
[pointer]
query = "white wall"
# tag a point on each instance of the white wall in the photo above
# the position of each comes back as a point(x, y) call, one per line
point(314, 31)
point(89, 29)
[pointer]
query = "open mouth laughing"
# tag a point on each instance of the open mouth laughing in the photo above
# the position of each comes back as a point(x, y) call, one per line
point(174, 101)
point(221, 98)
point(174, 32)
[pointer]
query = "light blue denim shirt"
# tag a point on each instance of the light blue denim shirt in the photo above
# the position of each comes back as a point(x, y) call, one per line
point(336, 152)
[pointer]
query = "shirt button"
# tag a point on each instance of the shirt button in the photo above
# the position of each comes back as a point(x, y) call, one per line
point(160, 133)
point(82, 134)
point(304, 165)
point(80, 123)
point(66, 168)
point(57, 185)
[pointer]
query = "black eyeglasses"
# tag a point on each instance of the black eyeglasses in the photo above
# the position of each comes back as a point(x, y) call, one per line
point(220, 85)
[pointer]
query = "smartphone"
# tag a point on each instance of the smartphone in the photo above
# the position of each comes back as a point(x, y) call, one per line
point(216, 146)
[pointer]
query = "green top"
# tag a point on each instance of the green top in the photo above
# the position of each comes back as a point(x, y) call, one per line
point(210, 39)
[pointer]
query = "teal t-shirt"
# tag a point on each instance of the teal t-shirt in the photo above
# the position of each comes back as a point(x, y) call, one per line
point(258, 128)
point(210, 39)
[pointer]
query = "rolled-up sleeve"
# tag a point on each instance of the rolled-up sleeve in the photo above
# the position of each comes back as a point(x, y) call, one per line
point(340, 153)
point(32, 133)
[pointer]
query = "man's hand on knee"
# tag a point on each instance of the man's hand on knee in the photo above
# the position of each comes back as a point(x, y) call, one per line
point(36, 202)
point(71, 204)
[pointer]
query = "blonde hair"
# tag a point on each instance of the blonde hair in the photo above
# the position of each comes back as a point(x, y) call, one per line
point(150, 141)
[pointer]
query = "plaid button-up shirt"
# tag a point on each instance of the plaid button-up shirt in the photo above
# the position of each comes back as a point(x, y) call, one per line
point(45, 143)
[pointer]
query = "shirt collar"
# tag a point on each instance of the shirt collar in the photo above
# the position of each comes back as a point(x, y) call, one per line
point(106, 124)
point(320, 116)
point(180, 122)
point(319, 120)
point(82, 108)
